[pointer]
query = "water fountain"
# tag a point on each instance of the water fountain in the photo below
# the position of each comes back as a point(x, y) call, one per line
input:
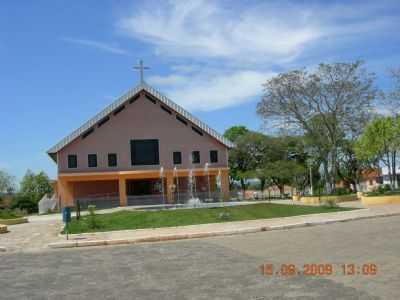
point(192, 201)
point(162, 183)
point(176, 179)
point(218, 180)
point(206, 171)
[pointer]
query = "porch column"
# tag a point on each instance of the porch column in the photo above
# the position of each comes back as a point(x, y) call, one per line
point(123, 199)
point(225, 184)
point(65, 192)
point(170, 182)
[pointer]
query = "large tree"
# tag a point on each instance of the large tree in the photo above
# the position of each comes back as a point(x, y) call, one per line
point(7, 182)
point(380, 142)
point(392, 97)
point(235, 132)
point(339, 95)
point(247, 155)
point(32, 188)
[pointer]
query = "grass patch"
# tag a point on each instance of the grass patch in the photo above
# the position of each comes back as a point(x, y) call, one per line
point(166, 218)
point(9, 214)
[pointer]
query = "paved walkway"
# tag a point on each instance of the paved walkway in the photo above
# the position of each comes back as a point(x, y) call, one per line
point(217, 229)
point(32, 236)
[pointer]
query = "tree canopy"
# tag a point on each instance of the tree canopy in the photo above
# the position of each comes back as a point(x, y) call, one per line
point(7, 182)
point(327, 106)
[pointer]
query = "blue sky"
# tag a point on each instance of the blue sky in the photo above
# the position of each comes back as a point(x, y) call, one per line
point(63, 61)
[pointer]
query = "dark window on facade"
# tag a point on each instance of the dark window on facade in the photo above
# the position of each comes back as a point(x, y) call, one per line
point(177, 158)
point(92, 160)
point(164, 108)
point(144, 152)
point(118, 110)
point(151, 98)
point(196, 157)
point(198, 131)
point(72, 161)
point(182, 120)
point(103, 121)
point(214, 156)
point(134, 98)
point(112, 159)
point(86, 134)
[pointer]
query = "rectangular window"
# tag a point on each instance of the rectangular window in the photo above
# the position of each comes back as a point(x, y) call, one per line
point(144, 152)
point(112, 159)
point(196, 157)
point(92, 160)
point(72, 161)
point(177, 158)
point(213, 156)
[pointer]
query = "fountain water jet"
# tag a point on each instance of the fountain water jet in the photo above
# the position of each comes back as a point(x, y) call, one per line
point(218, 179)
point(206, 171)
point(175, 174)
point(162, 183)
point(192, 201)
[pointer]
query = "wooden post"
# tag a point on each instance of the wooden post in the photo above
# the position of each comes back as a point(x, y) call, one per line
point(170, 183)
point(123, 199)
point(225, 184)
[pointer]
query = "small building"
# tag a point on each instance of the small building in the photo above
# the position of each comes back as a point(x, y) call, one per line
point(141, 149)
point(370, 180)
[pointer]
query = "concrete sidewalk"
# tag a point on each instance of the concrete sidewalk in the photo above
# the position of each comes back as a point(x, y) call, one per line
point(219, 229)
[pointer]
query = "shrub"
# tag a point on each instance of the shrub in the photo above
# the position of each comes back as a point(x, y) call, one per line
point(224, 215)
point(92, 216)
point(330, 203)
point(342, 191)
point(383, 188)
point(24, 202)
point(9, 214)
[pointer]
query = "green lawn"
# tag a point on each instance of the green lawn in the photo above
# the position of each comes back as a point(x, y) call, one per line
point(166, 218)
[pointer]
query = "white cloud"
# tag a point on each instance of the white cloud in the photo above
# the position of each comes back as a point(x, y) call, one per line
point(202, 28)
point(97, 45)
point(218, 91)
point(224, 50)
point(168, 80)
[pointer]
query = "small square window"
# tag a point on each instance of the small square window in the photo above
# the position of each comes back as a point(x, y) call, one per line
point(213, 156)
point(112, 159)
point(72, 161)
point(92, 160)
point(177, 158)
point(196, 157)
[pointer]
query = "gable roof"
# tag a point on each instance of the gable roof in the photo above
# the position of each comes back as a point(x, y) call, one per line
point(124, 98)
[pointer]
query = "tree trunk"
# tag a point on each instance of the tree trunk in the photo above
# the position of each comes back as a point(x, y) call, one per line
point(281, 190)
point(389, 166)
point(333, 170)
point(243, 185)
point(262, 186)
point(326, 172)
point(395, 183)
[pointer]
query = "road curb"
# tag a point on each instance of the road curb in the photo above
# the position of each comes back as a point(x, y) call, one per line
point(164, 238)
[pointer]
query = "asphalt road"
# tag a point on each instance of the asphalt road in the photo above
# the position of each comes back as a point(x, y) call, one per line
point(216, 268)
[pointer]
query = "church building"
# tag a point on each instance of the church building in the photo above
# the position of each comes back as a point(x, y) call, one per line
point(142, 149)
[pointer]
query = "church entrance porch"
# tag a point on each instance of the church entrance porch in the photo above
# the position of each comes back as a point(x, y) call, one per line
point(146, 191)
point(125, 188)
